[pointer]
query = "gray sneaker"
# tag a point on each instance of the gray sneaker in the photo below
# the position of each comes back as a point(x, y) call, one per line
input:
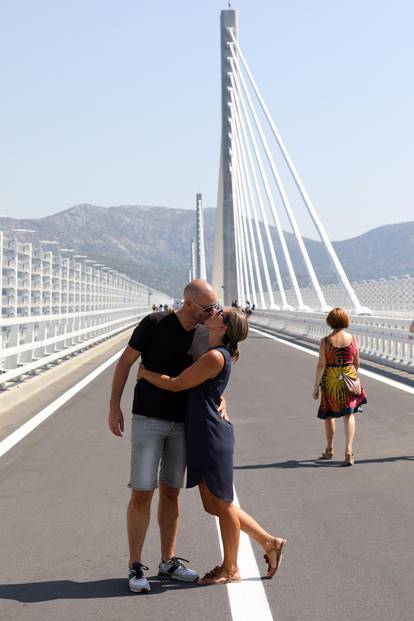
point(174, 568)
point(136, 579)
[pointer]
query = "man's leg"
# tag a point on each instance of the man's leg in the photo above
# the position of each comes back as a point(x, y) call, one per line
point(168, 519)
point(147, 445)
point(138, 516)
point(171, 479)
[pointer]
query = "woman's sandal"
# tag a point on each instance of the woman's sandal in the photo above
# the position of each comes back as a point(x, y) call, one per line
point(219, 576)
point(273, 556)
point(328, 453)
point(349, 459)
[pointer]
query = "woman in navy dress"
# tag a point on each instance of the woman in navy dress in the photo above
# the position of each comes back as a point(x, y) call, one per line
point(210, 442)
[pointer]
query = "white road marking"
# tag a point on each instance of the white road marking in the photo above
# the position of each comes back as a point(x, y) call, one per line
point(37, 419)
point(248, 601)
point(361, 370)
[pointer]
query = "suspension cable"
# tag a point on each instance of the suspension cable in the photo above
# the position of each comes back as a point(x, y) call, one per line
point(235, 85)
point(308, 203)
point(236, 231)
point(247, 225)
point(243, 254)
point(284, 198)
point(247, 199)
point(245, 141)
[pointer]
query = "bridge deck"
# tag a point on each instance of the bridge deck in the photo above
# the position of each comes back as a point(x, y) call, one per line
point(349, 530)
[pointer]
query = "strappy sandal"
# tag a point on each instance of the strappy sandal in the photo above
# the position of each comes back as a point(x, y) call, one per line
point(328, 453)
point(349, 459)
point(273, 557)
point(219, 576)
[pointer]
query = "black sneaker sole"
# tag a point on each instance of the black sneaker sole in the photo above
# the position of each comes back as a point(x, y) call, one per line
point(167, 575)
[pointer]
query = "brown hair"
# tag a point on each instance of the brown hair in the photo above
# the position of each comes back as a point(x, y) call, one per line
point(338, 319)
point(237, 330)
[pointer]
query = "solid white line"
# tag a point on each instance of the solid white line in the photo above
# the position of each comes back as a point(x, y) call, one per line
point(248, 601)
point(361, 370)
point(37, 419)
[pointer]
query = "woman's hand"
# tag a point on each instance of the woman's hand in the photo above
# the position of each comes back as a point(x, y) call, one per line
point(315, 393)
point(141, 370)
point(223, 410)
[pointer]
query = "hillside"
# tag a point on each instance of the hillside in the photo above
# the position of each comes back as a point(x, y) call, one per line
point(152, 244)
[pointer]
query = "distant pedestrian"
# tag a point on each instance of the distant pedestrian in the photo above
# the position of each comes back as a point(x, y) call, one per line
point(337, 380)
point(154, 308)
point(166, 309)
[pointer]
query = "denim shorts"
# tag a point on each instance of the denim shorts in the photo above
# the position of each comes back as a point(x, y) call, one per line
point(157, 446)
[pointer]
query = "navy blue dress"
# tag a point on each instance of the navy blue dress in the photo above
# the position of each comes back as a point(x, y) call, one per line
point(209, 438)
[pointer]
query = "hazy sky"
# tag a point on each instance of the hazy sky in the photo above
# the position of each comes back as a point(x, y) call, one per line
point(119, 102)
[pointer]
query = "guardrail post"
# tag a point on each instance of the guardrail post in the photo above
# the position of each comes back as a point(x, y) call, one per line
point(12, 337)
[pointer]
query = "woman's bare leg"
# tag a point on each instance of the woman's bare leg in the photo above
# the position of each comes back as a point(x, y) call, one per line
point(252, 528)
point(349, 426)
point(247, 523)
point(330, 432)
point(229, 525)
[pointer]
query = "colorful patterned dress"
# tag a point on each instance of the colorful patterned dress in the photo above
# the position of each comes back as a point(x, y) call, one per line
point(336, 400)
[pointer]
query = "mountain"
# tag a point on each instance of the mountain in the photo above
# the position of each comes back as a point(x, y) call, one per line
point(152, 244)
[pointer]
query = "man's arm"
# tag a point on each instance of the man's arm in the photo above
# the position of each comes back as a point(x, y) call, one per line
point(116, 418)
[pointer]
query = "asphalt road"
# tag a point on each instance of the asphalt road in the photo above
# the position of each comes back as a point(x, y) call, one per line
point(350, 530)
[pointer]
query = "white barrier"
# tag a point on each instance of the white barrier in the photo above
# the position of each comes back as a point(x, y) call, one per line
point(386, 340)
point(53, 305)
point(385, 297)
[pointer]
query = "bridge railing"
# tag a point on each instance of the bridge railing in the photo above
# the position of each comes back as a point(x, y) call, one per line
point(386, 340)
point(385, 297)
point(54, 305)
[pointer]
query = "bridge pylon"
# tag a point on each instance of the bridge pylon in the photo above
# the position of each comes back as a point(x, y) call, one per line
point(224, 266)
point(249, 181)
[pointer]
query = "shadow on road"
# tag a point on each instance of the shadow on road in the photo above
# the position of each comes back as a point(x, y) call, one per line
point(67, 589)
point(315, 463)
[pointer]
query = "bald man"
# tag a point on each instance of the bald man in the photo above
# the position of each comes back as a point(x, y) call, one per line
point(164, 341)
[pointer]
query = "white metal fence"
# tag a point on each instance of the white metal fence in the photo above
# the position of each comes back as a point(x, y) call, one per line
point(55, 303)
point(383, 339)
point(385, 297)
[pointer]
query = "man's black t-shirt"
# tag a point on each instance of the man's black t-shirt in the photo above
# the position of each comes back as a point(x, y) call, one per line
point(163, 343)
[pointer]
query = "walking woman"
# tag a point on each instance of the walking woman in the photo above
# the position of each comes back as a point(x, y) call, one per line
point(337, 380)
point(210, 443)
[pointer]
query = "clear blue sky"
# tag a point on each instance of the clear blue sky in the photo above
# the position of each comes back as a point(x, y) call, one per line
point(119, 103)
